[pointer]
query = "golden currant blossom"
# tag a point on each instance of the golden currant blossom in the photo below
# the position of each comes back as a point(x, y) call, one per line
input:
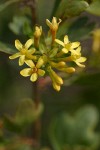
point(76, 57)
point(24, 51)
point(67, 45)
point(48, 58)
point(34, 71)
point(53, 27)
point(54, 24)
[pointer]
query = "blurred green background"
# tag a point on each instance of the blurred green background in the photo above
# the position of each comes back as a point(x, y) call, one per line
point(71, 117)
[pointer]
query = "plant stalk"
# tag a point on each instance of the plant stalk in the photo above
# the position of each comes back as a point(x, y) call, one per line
point(37, 123)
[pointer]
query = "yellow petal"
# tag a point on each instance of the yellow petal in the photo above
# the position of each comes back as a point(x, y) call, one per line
point(59, 42)
point(15, 56)
point(21, 60)
point(49, 23)
point(54, 20)
point(79, 64)
point(28, 43)
point(30, 63)
point(40, 62)
point(66, 40)
point(75, 44)
point(78, 49)
point(26, 72)
point(64, 50)
point(81, 59)
point(34, 77)
point(18, 45)
point(59, 21)
point(31, 51)
point(41, 72)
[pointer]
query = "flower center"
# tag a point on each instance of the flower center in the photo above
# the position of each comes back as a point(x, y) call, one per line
point(34, 70)
point(23, 51)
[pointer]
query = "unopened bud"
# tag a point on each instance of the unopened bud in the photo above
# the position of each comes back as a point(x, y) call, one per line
point(56, 86)
point(38, 32)
point(57, 79)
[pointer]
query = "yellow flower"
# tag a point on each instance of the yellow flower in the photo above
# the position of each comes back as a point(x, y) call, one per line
point(67, 45)
point(76, 57)
point(34, 71)
point(54, 24)
point(24, 51)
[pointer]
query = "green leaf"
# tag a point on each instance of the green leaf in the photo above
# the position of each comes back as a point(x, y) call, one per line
point(4, 5)
point(56, 4)
point(6, 48)
point(20, 25)
point(10, 124)
point(67, 131)
point(26, 114)
point(94, 8)
point(80, 29)
point(71, 8)
point(88, 79)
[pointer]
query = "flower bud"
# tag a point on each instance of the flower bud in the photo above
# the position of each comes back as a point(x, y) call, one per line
point(38, 32)
point(56, 86)
point(57, 79)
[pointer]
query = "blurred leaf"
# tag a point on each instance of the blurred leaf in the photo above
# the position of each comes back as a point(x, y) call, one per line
point(80, 29)
point(10, 124)
point(75, 131)
point(70, 8)
point(6, 48)
point(18, 143)
point(89, 79)
point(5, 4)
point(94, 8)
point(56, 4)
point(20, 25)
point(26, 113)
point(27, 30)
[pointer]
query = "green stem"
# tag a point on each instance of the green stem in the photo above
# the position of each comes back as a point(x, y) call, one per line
point(37, 124)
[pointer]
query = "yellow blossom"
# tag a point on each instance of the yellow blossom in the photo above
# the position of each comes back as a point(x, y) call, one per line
point(34, 71)
point(53, 27)
point(76, 57)
point(67, 45)
point(24, 51)
point(54, 24)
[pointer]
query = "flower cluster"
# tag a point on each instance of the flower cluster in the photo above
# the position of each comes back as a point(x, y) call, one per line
point(48, 56)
